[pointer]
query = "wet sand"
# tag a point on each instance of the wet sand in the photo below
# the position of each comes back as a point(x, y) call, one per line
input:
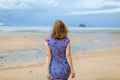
point(95, 65)
point(94, 58)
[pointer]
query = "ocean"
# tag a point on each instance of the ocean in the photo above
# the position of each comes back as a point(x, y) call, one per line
point(48, 28)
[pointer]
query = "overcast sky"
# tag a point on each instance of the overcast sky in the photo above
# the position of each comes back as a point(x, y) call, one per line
point(72, 12)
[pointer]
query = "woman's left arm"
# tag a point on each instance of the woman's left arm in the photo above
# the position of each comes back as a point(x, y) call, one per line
point(48, 59)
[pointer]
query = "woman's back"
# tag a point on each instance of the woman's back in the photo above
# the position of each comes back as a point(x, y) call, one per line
point(59, 67)
point(58, 56)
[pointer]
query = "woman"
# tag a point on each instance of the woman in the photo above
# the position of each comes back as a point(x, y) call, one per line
point(58, 57)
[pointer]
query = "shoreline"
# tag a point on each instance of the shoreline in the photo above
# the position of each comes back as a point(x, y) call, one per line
point(48, 28)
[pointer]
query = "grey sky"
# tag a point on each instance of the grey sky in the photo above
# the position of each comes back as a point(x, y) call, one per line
point(72, 12)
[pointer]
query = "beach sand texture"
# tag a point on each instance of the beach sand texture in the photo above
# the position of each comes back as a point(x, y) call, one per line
point(96, 55)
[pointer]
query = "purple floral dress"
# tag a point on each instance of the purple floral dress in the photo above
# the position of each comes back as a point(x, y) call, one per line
point(59, 68)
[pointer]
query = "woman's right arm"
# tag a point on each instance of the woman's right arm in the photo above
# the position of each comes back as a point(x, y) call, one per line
point(48, 60)
point(69, 59)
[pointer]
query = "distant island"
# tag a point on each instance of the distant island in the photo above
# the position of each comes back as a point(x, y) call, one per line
point(82, 25)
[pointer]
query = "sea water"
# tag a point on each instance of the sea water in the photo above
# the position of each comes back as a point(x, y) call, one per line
point(11, 28)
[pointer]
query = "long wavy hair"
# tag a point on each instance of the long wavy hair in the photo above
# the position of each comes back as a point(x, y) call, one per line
point(59, 30)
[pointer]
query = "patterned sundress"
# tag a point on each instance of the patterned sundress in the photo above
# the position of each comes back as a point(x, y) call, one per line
point(59, 68)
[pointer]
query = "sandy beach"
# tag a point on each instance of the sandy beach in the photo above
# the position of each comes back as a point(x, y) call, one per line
point(96, 56)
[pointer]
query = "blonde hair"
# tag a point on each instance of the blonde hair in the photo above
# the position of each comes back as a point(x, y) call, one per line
point(59, 30)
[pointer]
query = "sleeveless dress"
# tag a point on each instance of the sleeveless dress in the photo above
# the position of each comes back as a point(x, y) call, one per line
point(59, 68)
